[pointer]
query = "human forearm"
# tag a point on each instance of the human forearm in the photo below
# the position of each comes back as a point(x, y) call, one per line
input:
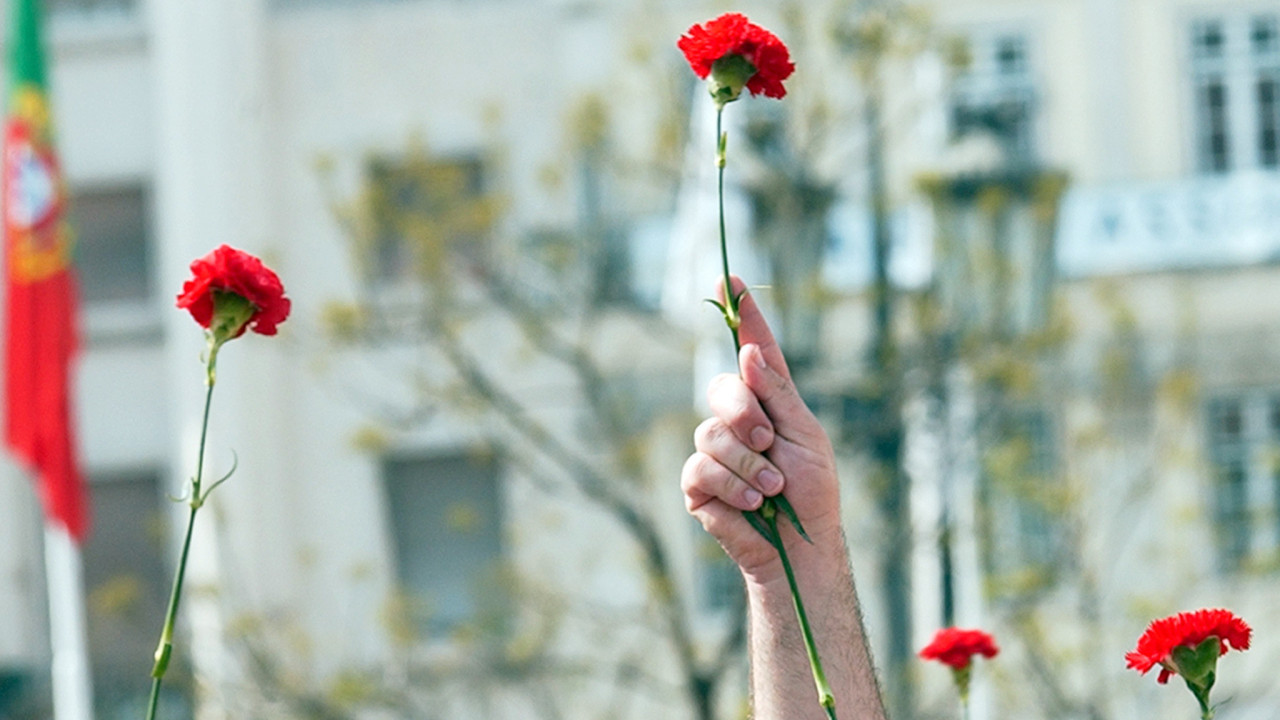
point(760, 426)
point(782, 685)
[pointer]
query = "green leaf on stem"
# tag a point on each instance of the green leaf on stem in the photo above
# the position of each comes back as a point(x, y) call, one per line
point(235, 463)
point(790, 512)
point(163, 653)
point(729, 75)
point(186, 496)
point(1202, 697)
point(757, 521)
point(231, 312)
point(961, 676)
point(1197, 665)
point(733, 307)
point(729, 312)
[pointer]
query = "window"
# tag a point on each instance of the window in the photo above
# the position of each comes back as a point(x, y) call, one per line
point(428, 215)
point(1235, 92)
point(994, 93)
point(127, 581)
point(24, 692)
point(113, 244)
point(1244, 456)
point(446, 527)
point(1268, 119)
point(1011, 56)
point(1263, 35)
point(1215, 150)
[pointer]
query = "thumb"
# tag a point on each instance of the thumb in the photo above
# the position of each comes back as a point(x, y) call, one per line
point(755, 330)
point(764, 370)
point(778, 395)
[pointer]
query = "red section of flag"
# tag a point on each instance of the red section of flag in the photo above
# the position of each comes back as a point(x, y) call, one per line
point(40, 321)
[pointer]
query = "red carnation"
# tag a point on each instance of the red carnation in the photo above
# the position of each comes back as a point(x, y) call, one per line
point(956, 647)
point(228, 272)
point(1189, 630)
point(713, 46)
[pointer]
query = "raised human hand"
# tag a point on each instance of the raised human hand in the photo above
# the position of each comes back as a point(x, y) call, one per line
point(761, 440)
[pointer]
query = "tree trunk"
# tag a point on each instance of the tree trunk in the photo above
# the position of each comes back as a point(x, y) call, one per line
point(885, 444)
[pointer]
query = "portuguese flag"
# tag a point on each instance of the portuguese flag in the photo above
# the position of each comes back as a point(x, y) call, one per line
point(40, 290)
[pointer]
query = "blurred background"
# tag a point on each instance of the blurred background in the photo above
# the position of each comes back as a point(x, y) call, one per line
point(1021, 253)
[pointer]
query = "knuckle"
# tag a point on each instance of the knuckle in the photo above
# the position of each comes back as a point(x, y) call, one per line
point(716, 432)
point(699, 470)
point(741, 416)
point(694, 499)
point(749, 464)
point(706, 433)
point(690, 506)
point(781, 384)
point(718, 383)
point(688, 473)
point(730, 486)
point(724, 378)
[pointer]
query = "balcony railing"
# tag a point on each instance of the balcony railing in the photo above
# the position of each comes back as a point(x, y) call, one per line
point(69, 7)
point(1202, 222)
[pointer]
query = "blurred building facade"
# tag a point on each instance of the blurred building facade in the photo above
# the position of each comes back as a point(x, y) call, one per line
point(1115, 477)
point(1091, 444)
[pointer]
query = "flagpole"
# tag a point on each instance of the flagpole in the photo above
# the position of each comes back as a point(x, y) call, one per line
point(72, 684)
point(40, 343)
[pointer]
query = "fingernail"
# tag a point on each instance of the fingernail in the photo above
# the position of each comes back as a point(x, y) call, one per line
point(760, 358)
point(760, 438)
point(770, 480)
point(753, 497)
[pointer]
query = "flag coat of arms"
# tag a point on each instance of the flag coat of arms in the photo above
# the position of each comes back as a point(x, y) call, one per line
point(40, 288)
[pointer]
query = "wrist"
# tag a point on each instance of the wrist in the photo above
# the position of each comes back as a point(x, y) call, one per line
point(825, 558)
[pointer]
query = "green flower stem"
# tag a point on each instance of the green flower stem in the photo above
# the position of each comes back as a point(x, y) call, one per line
point(768, 512)
point(1206, 710)
point(962, 676)
point(730, 308)
point(825, 697)
point(164, 650)
point(1202, 697)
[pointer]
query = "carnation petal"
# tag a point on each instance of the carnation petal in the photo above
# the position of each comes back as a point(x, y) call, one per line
point(1188, 630)
point(228, 269)
point(734, 34)
point(956, 647)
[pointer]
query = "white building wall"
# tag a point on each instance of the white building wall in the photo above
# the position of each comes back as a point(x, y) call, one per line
point(227, 106)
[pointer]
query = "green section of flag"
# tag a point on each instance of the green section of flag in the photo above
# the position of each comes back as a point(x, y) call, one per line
point(26, 59)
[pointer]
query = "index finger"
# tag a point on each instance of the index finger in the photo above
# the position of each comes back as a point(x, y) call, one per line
point(755, 329)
